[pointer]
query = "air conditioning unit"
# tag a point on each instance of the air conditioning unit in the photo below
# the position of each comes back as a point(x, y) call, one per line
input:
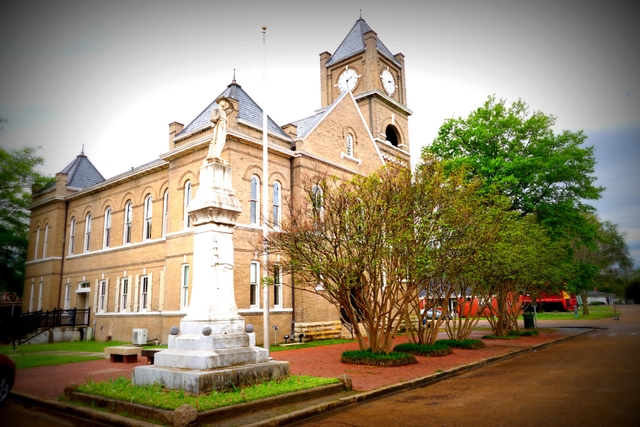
point(140, 336)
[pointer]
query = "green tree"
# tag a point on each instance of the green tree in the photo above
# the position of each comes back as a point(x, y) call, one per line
point(17, 176)
point(516, 151)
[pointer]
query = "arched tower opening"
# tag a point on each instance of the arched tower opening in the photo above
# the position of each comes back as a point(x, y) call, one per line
point(392, 135)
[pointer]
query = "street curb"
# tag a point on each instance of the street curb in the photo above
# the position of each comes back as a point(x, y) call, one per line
point(384, 391)
point(281, 420)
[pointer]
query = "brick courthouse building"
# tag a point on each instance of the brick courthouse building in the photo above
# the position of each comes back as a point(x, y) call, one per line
point(122, 247)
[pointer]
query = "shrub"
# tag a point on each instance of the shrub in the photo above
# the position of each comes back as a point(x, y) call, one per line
point(434, 350)
point(368, 357)
point(468, 344)
point(529, 333)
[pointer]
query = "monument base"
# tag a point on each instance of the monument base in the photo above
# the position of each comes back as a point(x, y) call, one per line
point(194, 381)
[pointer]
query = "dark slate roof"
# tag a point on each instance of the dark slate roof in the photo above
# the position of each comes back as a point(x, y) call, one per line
point(81, 173)
point(354, 44)
point(248, 111)
point(305, 125)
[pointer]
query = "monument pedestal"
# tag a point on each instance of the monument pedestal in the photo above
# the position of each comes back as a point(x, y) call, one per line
point(211, 351)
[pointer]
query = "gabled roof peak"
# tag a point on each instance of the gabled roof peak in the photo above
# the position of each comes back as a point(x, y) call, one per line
point(353, 44)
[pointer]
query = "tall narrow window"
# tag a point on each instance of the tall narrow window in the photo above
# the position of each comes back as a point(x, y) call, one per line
point(165, 212)
point(46, 241)
point(35, 253)
point(254, 205)
point(31, 297)
point(148, 214)
point(87, 233)
point(67, 296)
point(124, 294)
point(277, 200)
point(254, 300)
point(144, 293)
point(277, 286)
point(40, 295)
point(349, 145)
point(317, 202)
point(106, 242)
point(184, 294)
point(128, 216)
point(72, 235)
point(102, 296)
point(187, 200)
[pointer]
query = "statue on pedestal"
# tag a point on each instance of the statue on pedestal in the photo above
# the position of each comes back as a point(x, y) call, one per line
point(219, 136)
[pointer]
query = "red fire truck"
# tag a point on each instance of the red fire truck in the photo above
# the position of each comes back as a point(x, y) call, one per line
point(554, 302)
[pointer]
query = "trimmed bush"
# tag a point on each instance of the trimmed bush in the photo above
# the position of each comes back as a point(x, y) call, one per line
point(529, 333)
point(368, 357)
point(495, 337)
point(468, 344)
point(435, 350)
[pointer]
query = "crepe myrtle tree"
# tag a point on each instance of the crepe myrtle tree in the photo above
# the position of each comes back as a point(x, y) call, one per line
point(352, 242)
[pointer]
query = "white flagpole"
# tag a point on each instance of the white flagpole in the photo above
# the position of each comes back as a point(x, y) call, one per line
point(265, 204)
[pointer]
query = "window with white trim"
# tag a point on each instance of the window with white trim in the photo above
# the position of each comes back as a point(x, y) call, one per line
point(165, 212)
point(148, 215)
point(67, 296)
point(145, 284)
point(128, 217)
point(277, 286)
point(187, 201)
point(277, 201)
point(87, 233)
point(72, 235)
point(102, 296)
point(46, 241)
point(124, 294)
point(349, 145)
point(184, 287)
point(254, 204)
point(106, 240)
point(317, 202)
point(254, 297)
point(31, 297)
point(35, 253)
point(40, 295)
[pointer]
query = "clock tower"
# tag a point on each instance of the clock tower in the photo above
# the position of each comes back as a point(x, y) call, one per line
point(363, 65)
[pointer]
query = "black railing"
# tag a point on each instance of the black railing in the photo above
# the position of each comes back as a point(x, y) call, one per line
point(41, 321)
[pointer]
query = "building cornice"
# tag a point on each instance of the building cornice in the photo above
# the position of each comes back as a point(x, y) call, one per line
point(384, 97)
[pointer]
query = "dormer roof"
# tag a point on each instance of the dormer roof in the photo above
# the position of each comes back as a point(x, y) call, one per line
point(248, 111)
point(353, 44)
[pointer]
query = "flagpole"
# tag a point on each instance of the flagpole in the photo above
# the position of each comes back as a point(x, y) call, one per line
point(265, 204)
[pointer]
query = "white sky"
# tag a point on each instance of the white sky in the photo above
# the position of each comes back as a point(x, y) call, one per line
point(112, 75)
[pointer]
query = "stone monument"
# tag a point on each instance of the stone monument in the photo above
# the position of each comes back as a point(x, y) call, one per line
point(211, 350)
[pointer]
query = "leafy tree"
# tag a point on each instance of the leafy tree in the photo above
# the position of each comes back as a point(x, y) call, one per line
point(17, 176)
point(541, 172)
point(352, 244)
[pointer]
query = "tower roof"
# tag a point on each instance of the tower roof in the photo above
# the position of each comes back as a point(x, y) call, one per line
point(248, 111)
point(81, 173)
point(354, 44)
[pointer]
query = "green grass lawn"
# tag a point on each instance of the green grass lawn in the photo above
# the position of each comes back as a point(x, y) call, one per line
point(595, 312)
point(27, 356)
point(159, 397)
point(275, 348)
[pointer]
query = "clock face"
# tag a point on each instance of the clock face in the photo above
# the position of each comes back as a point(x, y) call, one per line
point(387, 82)
point(347, 80)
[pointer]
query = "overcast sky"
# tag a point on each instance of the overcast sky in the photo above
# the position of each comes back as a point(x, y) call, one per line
point(113, 74)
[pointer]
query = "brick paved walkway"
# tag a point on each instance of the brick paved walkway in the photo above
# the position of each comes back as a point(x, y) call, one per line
point(49, 381)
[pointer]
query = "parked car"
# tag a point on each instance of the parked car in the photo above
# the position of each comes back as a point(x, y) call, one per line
point(438, 313)
point(7, 376)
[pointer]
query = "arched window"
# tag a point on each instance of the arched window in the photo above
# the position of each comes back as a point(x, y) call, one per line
point(392, 135)
point(106, 240)
point(87, 233)
point(35, 253)
point(46, 241)
point(72, 235)
point(317, 202)
point(254, 206)
point(349, 145)
point(277, 200)
point(165, 212)
point(128, 217)
point(148, 214)
point(187, 200)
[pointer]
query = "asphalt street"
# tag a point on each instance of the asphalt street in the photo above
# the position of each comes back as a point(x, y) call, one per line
point(591, 380)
